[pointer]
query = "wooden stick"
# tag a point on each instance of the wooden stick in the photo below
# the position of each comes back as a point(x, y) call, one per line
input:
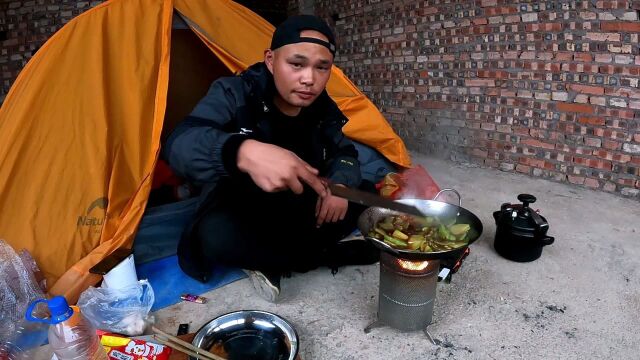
point(196, 350)
point(177, 347)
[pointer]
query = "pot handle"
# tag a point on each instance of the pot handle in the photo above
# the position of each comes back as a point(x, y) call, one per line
point(547, 240)
point(452, 190)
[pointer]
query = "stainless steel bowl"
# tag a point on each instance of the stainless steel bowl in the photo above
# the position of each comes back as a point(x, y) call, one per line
point(249, 335)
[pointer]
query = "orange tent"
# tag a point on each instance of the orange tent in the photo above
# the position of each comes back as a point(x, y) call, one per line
point(80, 129)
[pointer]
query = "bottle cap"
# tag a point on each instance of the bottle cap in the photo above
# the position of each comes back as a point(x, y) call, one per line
point(59, 309)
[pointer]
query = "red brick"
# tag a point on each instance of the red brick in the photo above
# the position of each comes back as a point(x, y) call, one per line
point(580, 160)
point(428, 104)
point(579, 108)
point(625, 114)
point(480, 82)
point(480, 21)
point(586, 89)
point(592, 183)
point(564, 56)
point(591, 120)
point(620, 26)
point(605, 58)
point(626, 182)
point(520, 130)
point(537, 143)
point(604, 37)
point(582, 57)
point(579, 180)
point(607, 69)
point(626, 92)
point(594, 142)
point(529, 161)
point(487, 3)
point(603, 154)
point(600, 164)
point(430, 10)
point(523, 169)
point(622, 158)
point(591, 68)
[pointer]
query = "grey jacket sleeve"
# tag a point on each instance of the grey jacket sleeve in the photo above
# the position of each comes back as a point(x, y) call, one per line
point(199, 149)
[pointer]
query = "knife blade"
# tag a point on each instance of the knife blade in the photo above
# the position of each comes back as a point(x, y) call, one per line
point(369, 199)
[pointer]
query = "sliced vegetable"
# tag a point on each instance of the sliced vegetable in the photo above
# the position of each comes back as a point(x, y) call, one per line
point(399, 235)
point(415, 241)
point(459, 229)
point(443, 232)
point(379, 231)
point(426, 234)
point(386, 226)
point(393, 241)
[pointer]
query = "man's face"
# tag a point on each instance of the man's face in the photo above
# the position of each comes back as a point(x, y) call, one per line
point(300, 72)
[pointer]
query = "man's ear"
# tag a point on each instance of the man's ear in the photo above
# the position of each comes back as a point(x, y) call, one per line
point(268, 59)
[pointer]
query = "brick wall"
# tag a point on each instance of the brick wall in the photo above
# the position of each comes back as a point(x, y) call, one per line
point(26, 25)
point(544, 88)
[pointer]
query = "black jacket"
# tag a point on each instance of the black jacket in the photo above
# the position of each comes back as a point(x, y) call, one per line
point(203, 147)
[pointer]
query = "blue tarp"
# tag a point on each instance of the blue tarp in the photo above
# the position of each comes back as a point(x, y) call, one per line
point(169, 282)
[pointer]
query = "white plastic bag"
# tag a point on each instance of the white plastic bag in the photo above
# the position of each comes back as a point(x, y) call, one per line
point(123, 311)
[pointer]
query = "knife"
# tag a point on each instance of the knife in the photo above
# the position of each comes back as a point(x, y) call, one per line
point(369, 199)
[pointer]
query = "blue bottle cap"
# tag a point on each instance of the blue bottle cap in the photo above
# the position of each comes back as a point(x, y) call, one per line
point(59, 309)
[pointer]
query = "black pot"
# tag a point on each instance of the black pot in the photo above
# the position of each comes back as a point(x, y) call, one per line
point(521, 233)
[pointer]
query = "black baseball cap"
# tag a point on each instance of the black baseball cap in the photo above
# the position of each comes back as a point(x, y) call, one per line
point(288, 32)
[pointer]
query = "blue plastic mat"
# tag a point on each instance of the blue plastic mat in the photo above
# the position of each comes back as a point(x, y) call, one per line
point(169, 282)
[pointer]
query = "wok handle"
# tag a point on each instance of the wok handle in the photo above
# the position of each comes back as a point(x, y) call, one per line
point(452, 190)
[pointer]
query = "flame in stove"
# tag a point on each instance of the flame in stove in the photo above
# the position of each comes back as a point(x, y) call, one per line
point(412, 265)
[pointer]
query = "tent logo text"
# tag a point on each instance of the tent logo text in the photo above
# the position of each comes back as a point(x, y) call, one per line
point(88, 219)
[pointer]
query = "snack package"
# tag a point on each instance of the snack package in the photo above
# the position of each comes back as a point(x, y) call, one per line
point(413, 183)
point(122, 348)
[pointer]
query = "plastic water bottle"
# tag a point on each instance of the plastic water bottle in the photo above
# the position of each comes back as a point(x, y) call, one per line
point(71, 336)
point(22, 341)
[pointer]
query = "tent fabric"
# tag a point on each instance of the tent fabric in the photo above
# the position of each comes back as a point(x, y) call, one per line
point(80, 128)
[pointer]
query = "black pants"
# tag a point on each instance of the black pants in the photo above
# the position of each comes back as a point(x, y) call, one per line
point(242, 226)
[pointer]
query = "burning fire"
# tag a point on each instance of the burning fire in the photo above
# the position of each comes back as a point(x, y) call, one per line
point(412, 265)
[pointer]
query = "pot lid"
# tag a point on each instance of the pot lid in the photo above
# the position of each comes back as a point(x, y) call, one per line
point(521, 217)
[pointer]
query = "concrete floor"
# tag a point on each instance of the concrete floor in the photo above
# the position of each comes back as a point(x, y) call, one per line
point(580, 300)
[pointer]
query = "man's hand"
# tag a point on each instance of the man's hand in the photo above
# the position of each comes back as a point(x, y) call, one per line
point(330, 209)
point(273, 168)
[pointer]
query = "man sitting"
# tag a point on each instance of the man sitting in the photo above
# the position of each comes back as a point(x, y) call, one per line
point(264, 145)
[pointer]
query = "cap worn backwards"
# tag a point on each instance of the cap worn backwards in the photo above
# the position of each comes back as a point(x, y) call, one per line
point(289, 32)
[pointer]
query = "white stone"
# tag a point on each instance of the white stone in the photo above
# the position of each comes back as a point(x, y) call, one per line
point(631, 148)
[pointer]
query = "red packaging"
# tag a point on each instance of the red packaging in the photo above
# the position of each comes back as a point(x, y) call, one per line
point(122, 348)
point(413, 183)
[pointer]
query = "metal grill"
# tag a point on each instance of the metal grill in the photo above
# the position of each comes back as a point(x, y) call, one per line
point(407, 296)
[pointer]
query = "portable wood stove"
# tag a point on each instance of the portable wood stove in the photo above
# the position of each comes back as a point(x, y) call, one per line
point(408, 278)
point(407, 291)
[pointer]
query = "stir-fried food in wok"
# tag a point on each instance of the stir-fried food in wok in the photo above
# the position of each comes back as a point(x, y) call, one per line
point(426, 234)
